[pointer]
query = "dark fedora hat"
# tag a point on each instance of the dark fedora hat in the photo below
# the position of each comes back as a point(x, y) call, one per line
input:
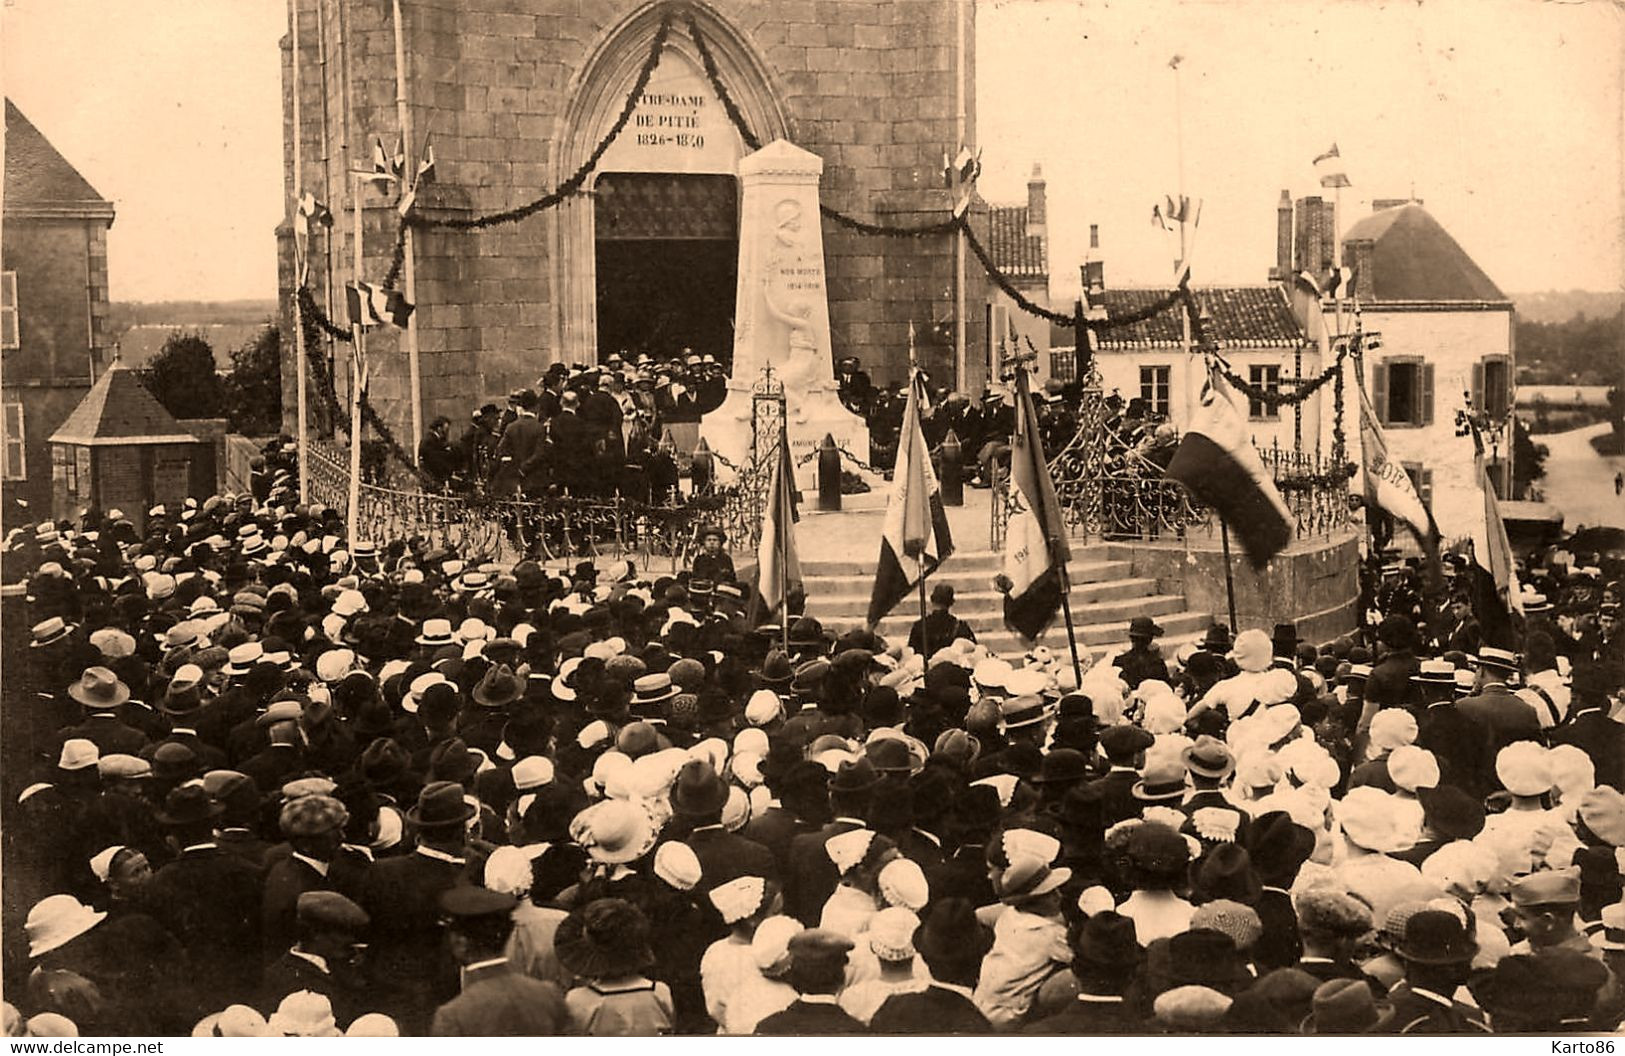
point(1217, 639)
point(1107, 940)
point(776, 669)
point(440, 804)
point(950, 933)
point(1062, 766)
point(698, 790)
point(1123, 742)
point(855, 775)
point(1278, 845)
point(1436, 936)
point(1144, 627)
point(498, 688)
point(1450, 812)
point(1285, 637)
point(1227, 872)
point(1205, 957)
point(188, 805)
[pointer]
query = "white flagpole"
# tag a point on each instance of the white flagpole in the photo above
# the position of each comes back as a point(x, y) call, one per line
point(298, 320)
point(358, 372)
point(409, 271)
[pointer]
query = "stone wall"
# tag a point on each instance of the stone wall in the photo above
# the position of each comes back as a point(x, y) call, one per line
point(1314, 582)
point(503, 86)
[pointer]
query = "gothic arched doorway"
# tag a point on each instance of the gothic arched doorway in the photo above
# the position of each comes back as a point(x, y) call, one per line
point(623, 242)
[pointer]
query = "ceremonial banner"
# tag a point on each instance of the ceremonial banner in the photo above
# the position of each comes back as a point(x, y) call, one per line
point(1384, 482)
point(1216, 461)
point(915, 537)
point(1035, 544)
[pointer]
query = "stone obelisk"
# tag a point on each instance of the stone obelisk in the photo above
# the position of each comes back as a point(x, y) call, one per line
point(781, 314)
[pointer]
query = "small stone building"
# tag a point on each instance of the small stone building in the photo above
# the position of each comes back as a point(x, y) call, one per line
point(120, 449)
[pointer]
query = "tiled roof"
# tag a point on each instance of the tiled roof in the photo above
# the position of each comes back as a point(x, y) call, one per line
point(1413, 258)
point(118, 409)
point(1239, 317)
point(39, 180)
point(1014, 252)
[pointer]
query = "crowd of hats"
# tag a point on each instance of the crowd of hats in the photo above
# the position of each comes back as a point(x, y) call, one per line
point(607, 745)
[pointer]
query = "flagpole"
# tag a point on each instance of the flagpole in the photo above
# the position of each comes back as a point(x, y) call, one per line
point(298, 319)
point(781, 529)
point(358, 354)
point(409, 272)
point(1066, 611)
point(1229, 577)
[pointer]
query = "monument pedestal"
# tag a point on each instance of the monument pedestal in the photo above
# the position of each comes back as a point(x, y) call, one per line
point(727, 430)
point(781, 318)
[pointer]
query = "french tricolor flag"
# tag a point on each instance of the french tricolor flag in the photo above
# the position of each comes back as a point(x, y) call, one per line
point(1216, 461)
point(914, 539)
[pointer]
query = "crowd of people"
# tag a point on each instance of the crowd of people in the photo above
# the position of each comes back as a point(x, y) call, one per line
point(265, 778)
point(605, 429)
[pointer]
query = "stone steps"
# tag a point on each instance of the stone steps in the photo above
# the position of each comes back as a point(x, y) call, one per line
point(1104, 598)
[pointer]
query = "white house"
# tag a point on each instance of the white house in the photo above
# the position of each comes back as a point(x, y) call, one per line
point(1446, 342)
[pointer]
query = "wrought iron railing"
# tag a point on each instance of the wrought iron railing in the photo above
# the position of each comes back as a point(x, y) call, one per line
point(554, 527)
point(1110, 491)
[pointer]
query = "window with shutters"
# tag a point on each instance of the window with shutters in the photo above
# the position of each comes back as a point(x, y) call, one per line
point(16, 467)
point(1156, 389)
point(1402, 390)
point(1492, 386)
point(1266, 377)
point(9, 335)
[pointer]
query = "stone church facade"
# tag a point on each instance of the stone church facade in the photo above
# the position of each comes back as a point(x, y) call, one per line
point(515, 94)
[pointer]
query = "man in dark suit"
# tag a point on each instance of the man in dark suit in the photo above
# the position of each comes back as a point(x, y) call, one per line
point(813, 877)
point(1390, 683)
point(1506, 716)
point(1588, 726)
point(323, 959)
point(1124, 746)
point(1438, 953)
point(573, 445)
point(209, 899)
point(1105, 961)
point(314, 826)
point(1461, 745)
point(818, 972)
point(952, 944)
point(940, 626)
point(102, 693)
point(282, 757)
point(853, 386)
point(402, 899)
point(697, 798)
point(182, 706)
point(520, 455)
point(803, 801)
point(1141, 660)
point(496, 1000)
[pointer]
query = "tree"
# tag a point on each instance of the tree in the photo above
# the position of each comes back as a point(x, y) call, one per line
point(1528, 459)
point(182, 377)
point(254, 386)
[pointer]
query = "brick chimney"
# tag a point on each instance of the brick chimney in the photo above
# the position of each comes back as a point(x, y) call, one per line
point(1037, 206)
point(1094, 269)
point(1314, 236)
point(1282, 272)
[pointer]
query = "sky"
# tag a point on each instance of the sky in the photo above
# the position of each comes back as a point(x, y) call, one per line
point(1503, 116)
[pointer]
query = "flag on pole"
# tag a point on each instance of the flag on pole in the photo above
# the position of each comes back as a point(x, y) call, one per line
point(1491, 580)
point(1329, 167)
point(1217, 463)
point(777, 562)
point(1384, 482)
point(914, 538)
point(369, 304)
point(1035, 546)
